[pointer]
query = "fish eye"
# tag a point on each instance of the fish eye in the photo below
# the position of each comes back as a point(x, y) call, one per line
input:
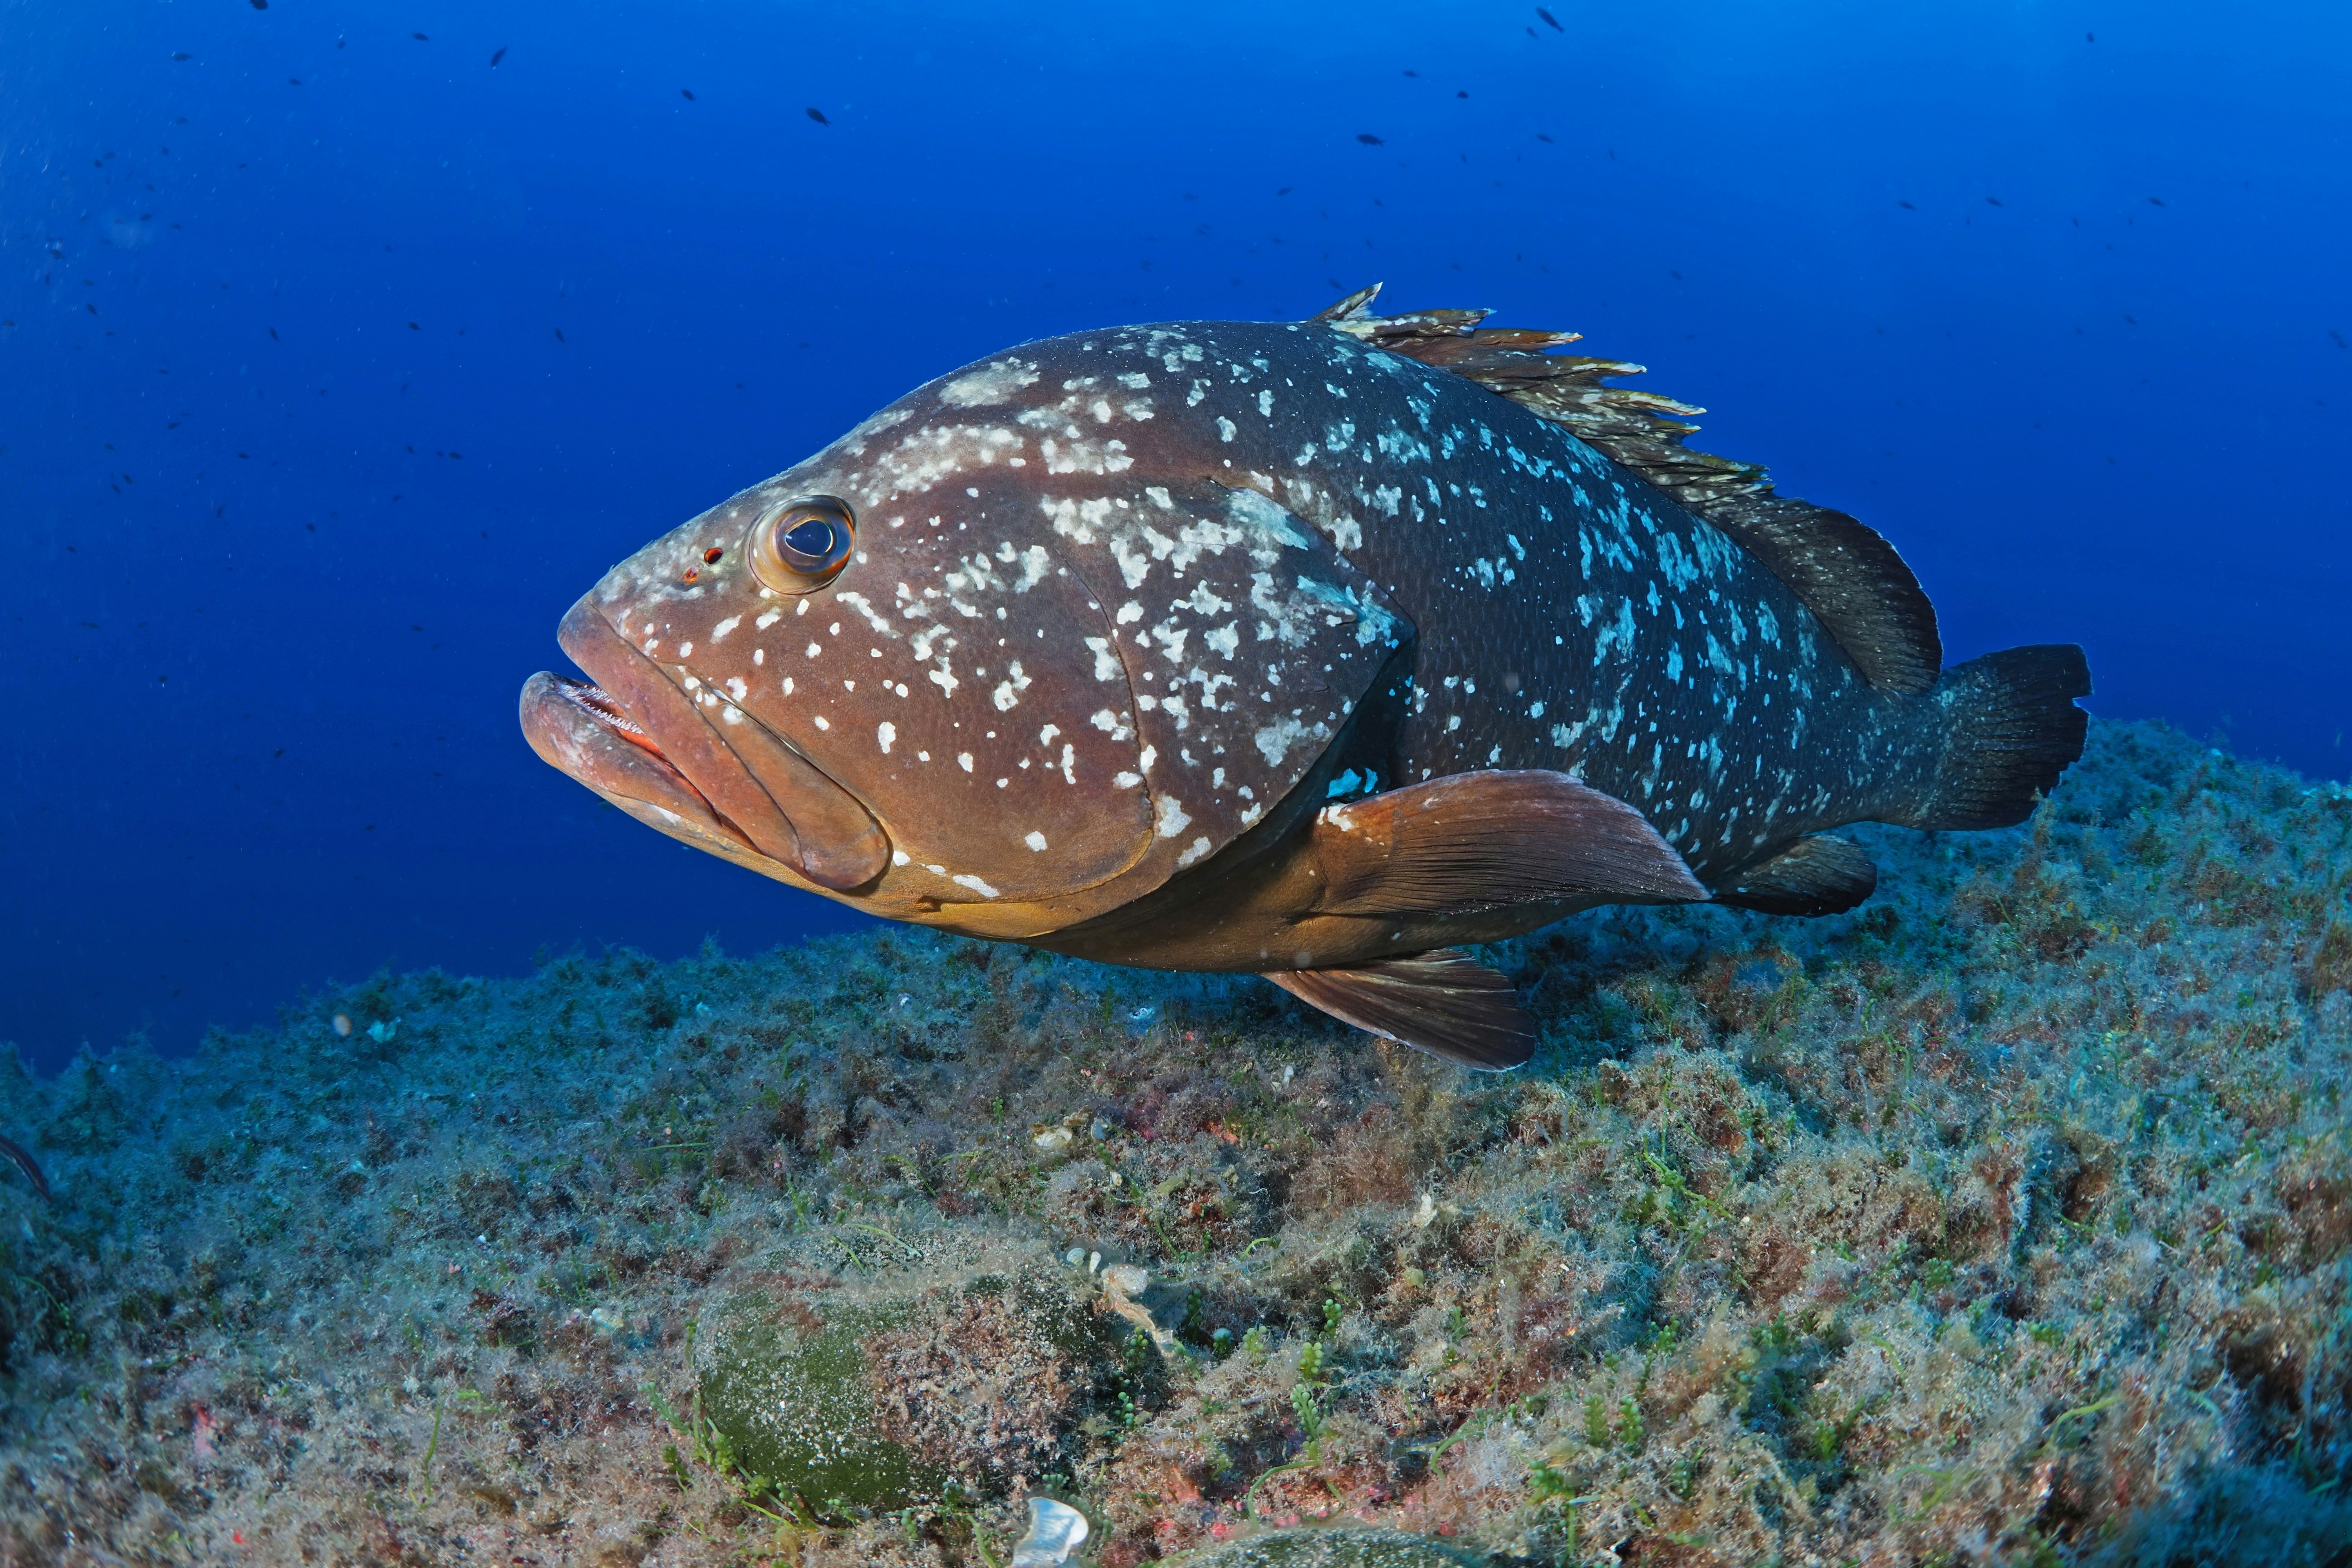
point(800, 546)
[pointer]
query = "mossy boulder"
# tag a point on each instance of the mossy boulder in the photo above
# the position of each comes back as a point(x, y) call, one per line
point(1315, 1548)
point(904, 1386)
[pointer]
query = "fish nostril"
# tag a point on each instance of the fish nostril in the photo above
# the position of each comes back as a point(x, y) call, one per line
point(710, 557)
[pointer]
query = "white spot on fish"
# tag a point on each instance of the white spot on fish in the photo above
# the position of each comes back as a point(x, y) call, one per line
point(992, 384)
point(1170, 817)
point(885, 732)
point(1035, 840)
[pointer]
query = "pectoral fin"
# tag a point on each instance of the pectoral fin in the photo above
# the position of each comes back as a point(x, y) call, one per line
point(1491, 839)
point(1815, 876)
point(1439, 1001)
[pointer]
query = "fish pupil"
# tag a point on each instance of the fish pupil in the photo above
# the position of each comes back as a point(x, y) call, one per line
point(811, 538)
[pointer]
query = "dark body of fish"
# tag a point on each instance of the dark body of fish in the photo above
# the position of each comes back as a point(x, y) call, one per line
point(1312, 650)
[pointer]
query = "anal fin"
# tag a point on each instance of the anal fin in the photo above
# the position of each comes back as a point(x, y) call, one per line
point(1814, 875)
point(1442, 1002)
point(1490, 839)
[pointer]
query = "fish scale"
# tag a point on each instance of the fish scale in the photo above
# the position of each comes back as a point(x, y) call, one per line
point(1314, 649)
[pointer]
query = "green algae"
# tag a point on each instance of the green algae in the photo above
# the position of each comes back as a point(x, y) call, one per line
point(921, 1374)
point(793, 1406)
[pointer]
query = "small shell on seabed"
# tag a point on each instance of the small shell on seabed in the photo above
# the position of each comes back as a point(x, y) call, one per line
point(1315, 1548)
point(1056, 1530)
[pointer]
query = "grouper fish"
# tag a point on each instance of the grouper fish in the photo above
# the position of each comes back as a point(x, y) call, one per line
point(1314, 649)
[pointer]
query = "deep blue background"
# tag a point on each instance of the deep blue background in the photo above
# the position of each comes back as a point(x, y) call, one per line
point(297, 473)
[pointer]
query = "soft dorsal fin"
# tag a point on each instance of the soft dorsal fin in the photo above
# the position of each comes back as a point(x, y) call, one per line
point(1442, 1002)
point(1846, 573)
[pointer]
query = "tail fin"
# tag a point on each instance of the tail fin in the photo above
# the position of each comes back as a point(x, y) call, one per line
point(2010, 727)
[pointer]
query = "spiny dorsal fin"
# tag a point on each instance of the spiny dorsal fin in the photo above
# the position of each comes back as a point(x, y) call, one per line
point(1846, 573)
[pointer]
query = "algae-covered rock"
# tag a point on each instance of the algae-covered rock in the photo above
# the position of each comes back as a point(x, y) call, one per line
point(786, 1387)
point(904, 1385)
point(1335, 1549)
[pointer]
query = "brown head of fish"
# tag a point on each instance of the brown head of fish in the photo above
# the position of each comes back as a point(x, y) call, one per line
point(1011, 654)
point(1288, 648)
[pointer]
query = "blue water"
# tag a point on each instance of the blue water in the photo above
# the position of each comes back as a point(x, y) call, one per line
point(338, 361)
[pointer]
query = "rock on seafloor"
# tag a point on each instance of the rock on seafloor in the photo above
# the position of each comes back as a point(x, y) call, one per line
point(883, 1372)
point(2006, 1219)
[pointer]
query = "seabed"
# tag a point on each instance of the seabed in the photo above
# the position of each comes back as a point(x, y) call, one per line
point(2004, 1220)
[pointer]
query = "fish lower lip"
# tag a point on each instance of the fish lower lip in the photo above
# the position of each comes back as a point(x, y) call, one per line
point(581, 731)
point(774, 799)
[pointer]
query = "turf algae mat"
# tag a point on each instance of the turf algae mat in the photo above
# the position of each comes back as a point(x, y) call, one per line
point(2007, 1219)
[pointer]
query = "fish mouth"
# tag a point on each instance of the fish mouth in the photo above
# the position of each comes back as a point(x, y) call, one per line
point(707, 772)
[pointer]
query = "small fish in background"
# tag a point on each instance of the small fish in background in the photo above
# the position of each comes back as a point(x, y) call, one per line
point(818, 115)
point(24, 1162)
point(1368, 139)
point(1549, 20)
point(1317, 650)
point(499, 56)
point(686, 93)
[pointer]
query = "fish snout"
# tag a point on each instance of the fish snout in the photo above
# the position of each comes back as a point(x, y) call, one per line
point(754, 790)
point(578, 730)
